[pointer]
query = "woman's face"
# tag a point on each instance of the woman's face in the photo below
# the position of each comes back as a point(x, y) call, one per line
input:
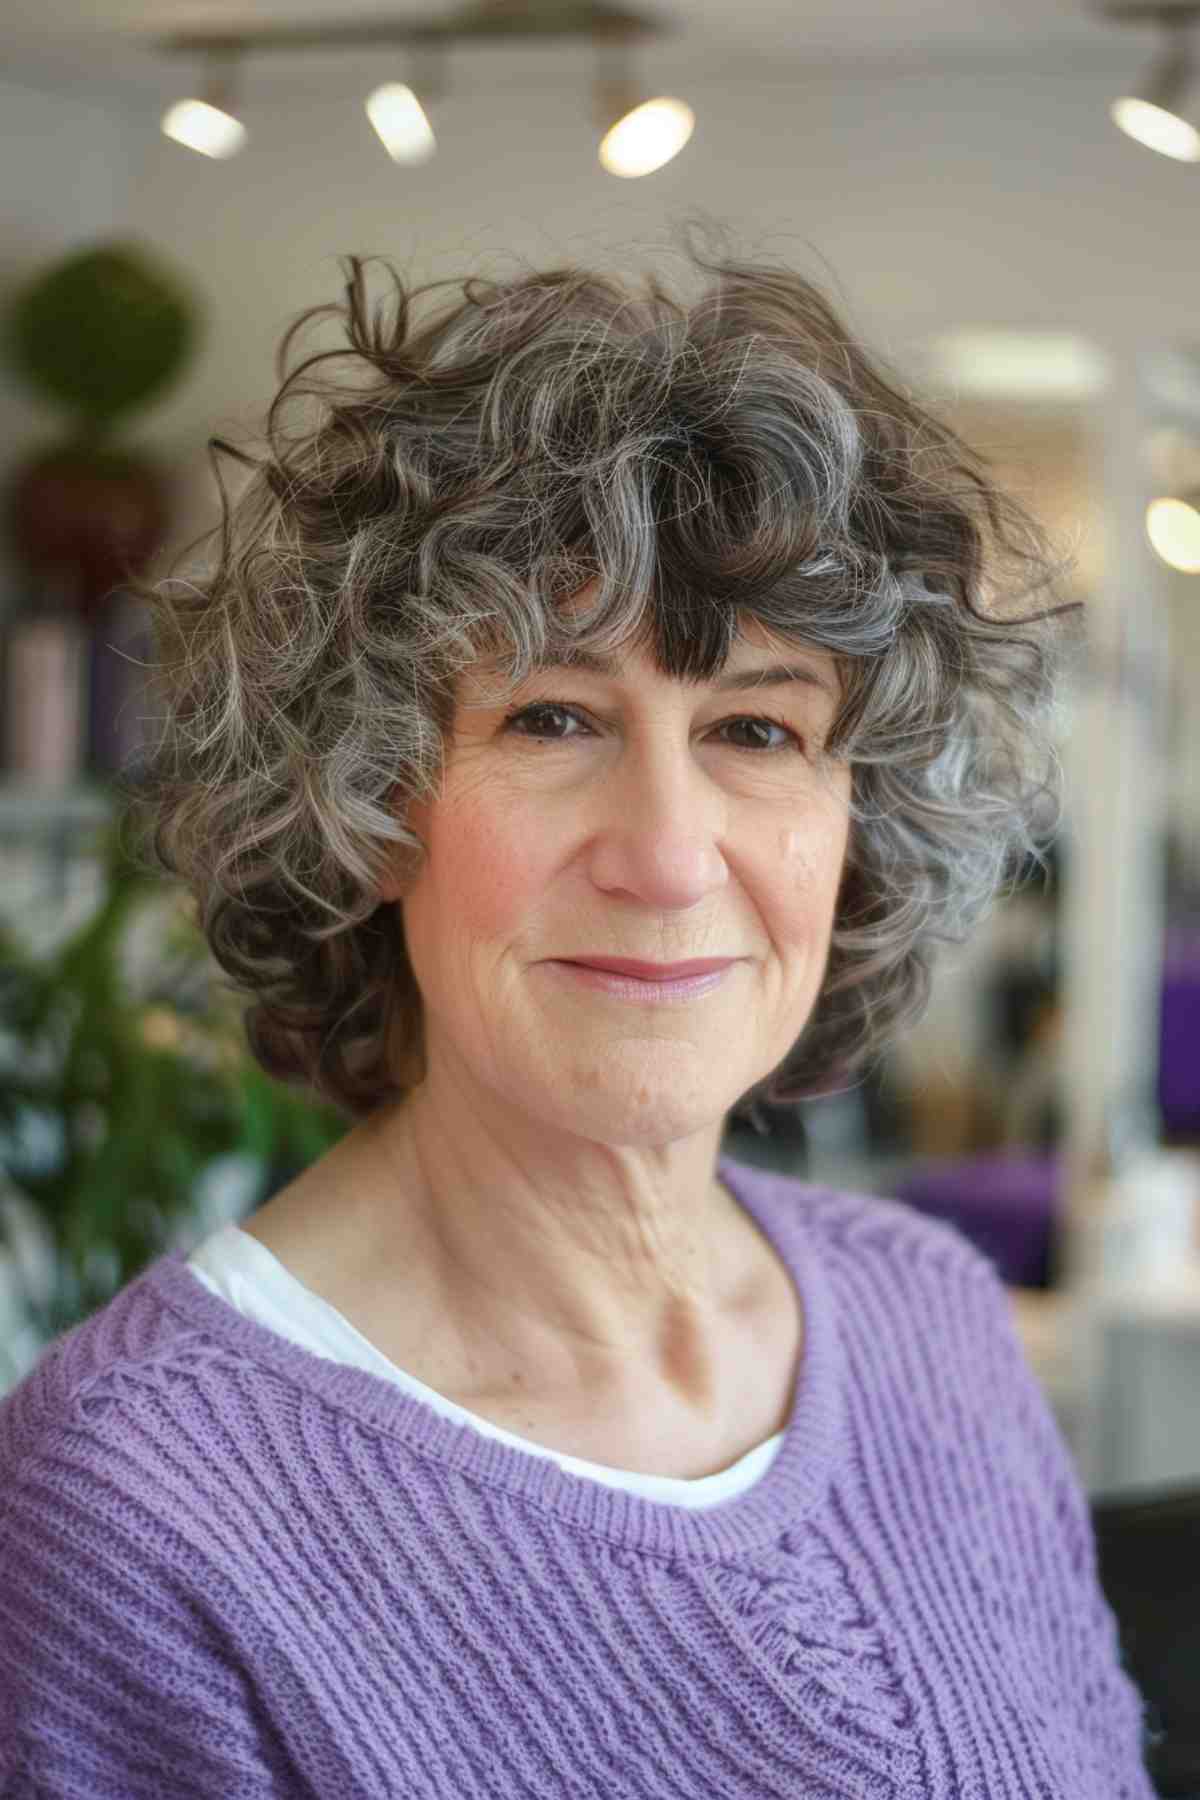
point(636, 816)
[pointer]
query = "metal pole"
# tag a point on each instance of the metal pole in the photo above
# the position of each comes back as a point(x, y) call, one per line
point(1114, 886)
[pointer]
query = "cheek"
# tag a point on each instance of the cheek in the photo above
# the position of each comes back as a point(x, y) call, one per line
point(482, 877)
point(800, 889)
point(810, 864)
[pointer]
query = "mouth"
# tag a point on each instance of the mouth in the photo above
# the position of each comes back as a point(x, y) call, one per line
point(656, 990)
point(648, 971)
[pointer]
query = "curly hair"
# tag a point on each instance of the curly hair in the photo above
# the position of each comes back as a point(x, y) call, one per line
point(729, 458)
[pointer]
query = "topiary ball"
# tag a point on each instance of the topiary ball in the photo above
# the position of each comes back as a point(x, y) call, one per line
point(103, 332)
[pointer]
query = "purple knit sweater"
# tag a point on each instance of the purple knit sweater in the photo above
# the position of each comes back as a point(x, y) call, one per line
point(231, 1568)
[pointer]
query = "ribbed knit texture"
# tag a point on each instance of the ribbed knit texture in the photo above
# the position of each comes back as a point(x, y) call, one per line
point(231, 1569)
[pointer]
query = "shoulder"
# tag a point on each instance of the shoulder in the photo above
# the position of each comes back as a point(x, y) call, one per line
point(901, 1289)
point(859, 1225)
point(931, 1337)
point(118, 1556)
point(94, 1405)
point(115, 1487)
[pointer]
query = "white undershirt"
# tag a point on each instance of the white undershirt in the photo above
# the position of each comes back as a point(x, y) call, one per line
point(239, 1269)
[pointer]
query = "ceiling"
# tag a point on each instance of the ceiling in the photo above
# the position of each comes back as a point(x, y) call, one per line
point(101, 47)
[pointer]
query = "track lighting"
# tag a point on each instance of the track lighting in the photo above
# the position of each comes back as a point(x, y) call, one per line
point(399, 115)
point(639, 132)
point(209, 125)
point(1161, 112)
point(400, 122)
point(1173, 528)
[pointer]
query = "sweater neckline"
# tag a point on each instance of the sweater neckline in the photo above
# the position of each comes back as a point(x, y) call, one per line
point(783, 1496)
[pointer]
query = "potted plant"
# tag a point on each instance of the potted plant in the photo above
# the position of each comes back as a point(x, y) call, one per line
point(133, 1084)
point(100, 333)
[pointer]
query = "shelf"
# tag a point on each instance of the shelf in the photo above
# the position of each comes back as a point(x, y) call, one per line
point(33, 809)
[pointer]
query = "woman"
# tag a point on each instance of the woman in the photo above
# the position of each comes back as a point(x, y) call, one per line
point(527, 1443)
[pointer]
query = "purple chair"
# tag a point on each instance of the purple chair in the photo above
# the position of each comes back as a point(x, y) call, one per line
point(1179, 1038)
point(1003, 1202)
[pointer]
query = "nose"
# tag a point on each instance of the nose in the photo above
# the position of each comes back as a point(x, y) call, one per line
point(657, 822)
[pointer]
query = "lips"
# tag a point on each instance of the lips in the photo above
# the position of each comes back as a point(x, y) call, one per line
point(647, 971)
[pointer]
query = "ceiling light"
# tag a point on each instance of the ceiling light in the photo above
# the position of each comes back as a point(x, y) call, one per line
point(647, 137)
point(1173, 528)
point(1156, 112)
point(639, 134)
point(400, 123)
point(208, 125)
point(1019, 365)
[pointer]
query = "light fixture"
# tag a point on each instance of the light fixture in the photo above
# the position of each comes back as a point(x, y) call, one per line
point(401, 123)
point(1157, 112)
point(1173, 528)
point(1018, 365)
point(209, 125)
point(399, 117)
point(639, 133)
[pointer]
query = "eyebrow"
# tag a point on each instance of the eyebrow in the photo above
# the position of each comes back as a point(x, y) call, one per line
point(775, 675)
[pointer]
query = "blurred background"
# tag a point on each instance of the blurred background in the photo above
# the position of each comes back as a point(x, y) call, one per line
point(1001, 195)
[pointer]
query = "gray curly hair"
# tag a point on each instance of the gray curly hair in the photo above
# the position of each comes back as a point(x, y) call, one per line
point(735, 458)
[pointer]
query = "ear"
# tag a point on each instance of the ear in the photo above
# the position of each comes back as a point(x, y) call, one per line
point(401, 872)
point(405, 861)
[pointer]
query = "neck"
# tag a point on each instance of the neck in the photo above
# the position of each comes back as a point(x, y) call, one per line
point(611, 1273)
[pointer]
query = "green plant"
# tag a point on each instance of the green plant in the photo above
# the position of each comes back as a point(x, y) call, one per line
point(138, 1084)
point(102, 332)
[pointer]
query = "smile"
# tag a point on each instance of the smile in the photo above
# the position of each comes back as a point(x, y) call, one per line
point(671, 990)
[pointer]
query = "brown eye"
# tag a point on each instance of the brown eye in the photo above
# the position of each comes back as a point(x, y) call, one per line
point(538, 712)
point(762, 725)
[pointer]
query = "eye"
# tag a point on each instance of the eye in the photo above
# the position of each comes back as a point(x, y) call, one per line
point(540, 710)
point(762, 723)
